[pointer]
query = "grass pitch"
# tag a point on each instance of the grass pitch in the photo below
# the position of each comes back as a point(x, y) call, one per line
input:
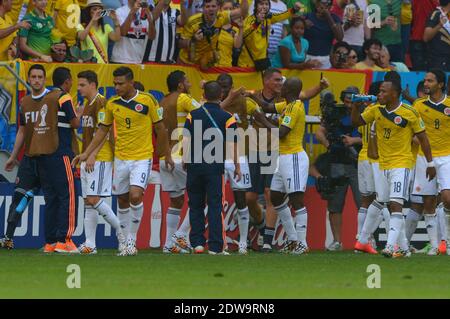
point(151, 274)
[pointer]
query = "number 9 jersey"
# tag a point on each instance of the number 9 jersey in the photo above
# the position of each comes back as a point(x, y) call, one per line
point(133, 120)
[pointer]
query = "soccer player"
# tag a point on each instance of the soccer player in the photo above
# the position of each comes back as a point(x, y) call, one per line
point(291, 175)
point(435, 112)
point(96, 172)
point(27, 181)
point(396, 124)
point(176, 105)
point(133, 113)
point(242, 108)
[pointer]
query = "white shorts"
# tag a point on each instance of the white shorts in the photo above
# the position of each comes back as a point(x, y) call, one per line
point(394, 185)
point(366, 183)
point(377, 176)
point(422, 186)
point(416, 199)
point(245, 181)
point(291, 175)
point(173, 182)
point(443, 171)
point(130, 173)
point(98, 182)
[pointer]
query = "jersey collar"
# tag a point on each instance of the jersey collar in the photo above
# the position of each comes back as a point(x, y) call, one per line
point(395, 108)
point(440, 102)
point(137, 93)
point(40, 95)
point(93, 100)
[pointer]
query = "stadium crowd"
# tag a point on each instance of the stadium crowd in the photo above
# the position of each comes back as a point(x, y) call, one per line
point(304, 34)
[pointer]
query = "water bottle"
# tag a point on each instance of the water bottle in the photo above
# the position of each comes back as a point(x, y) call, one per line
point(24, 202)
point(363, 98)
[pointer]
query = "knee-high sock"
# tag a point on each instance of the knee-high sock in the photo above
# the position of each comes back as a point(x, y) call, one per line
point(402, 241)
point(362, 212)
point(136, 215)
point(185, 227)
point(124, 218)
point(395, 226)
point(243, 220)
point(430, 222)
point(371, 221)
point(301, 224)
point(90, 225)
point(411, 221)
point(442, 223)
point(107, 213)
point(172, 220)
point(386, 217)
point(286, 219)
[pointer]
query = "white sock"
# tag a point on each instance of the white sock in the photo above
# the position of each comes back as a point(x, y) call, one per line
point(172, 220)
point(90, 225)
point(243, 220)
point(412, 219)
point(371, 222)
point(286, 219)
point(124, 219)
point(136, 216)
point(361, 218)
point(301, 224)
point(396, 224)
point(107, 213)
point(402, 241)
point(386, 217)
point(430, 222)
point(442, 222)
point(185, 227)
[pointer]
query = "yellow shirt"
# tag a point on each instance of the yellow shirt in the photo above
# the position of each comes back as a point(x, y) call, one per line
point(395, 131)
point(6, 42)
point(225, 47)
point(103, 40)
point(365, 135)
point(406, 13)
point(133, 120)
point(256, 38)
point(362, 66)
point(67, 19)
point(204, 47)
point(437, 122)
point(292, 116)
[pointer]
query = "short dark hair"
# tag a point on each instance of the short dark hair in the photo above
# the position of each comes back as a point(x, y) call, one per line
point(225, 77)
point(296, 19)
point(124, 71)
point(420, 87)
point(444, 3)
point(139, 86)
point(396, 85)
point(342, 44)
point(374, 88)
point(213, 91)
point(174, 79)
point(368, 43)
point(393, 75)
point(61, 75)
point(440, 77)
point(208, 1)
point(90, 76)
point(37, 67)
point(269, 72)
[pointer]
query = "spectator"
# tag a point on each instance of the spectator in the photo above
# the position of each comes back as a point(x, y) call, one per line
point(277, 30)
point(137, 24)
point(371, 49)
point(306, 5)
point(294, 48)
point(421, 10)
point(163, 48)
point(437, 35)
point(405, 20)
point(389, 33)
point(340, 55)
point(59, 52)
point(338, 7)
point(94, 34)
point(35, 43)
point(384, 62)
point(352, 59)
point(230, 39)
point(322, 28)
point(8, 29)
point(256, 34)
point(355, 30)
point(194, 7)
point(200, 34)
point(67, 17)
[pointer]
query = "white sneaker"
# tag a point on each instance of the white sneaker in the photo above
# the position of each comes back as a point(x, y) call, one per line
point(182, 242)
point(199, 250)
point(243, 249)
point(131, 248)
point(174, 250)
point(86, 250)
point(335, 246)
point(300, 249)
point(433, 252)
point(122, 241)
point(224, 253)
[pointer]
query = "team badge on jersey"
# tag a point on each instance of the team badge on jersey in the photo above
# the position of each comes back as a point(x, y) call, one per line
point(286, 120)
point(139, 108)
point(447, 111)
point(422, 123)
point(101, 116)
point(398, 120)
point(160, 112)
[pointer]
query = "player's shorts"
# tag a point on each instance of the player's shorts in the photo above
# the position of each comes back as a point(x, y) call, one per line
point(130, 173)
point(422, 186)
point(173, 182)
point(98, 182)
point(416, 199)
point(245, 182)
point(443, 171)
point(366, 183)
point(291, 175)
point(395, 184)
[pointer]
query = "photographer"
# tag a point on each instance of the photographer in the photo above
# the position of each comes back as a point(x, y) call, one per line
point(339, 164)
point(339, 55)
point(199, 38)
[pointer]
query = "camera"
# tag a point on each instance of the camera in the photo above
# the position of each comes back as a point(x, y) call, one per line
point(105, 13)
point(326, 184)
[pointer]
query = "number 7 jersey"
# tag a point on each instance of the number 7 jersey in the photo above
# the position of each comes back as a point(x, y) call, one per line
point(134, 120)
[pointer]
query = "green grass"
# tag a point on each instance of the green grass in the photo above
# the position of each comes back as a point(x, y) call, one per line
point(31, 274)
